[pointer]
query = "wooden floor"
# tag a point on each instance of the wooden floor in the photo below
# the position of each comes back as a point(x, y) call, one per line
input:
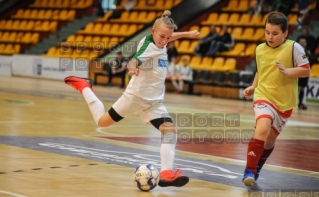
point(50, 146)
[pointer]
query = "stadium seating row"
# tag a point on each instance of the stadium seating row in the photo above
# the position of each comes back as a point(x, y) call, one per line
point(9, 49)
point(75, 4)
point(28, 25)
point(152, 4)
point(110, 29)
point(238, 19)
point(136, 17)
point(208, 63)
point(19, 37)
point(66, 15)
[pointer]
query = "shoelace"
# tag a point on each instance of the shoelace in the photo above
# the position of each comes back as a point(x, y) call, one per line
point(177, 172)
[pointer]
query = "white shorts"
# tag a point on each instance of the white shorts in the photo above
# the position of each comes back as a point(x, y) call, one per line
point(129, 105)
point(263, 110)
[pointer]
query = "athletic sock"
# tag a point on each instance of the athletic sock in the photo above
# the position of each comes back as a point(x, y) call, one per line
point(254, 152)
point(167, 151)
point(95, 105)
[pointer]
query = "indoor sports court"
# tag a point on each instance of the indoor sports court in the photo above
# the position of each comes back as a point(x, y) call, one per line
point(50, 146)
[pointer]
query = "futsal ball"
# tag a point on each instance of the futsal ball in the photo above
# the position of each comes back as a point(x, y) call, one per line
point(145, 177)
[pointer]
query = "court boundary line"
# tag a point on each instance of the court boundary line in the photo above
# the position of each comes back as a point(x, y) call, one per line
point(218, 158)
point(12, 194)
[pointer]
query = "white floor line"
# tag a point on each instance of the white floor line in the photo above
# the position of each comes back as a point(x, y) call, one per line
point(12, 194)
point(100, 131)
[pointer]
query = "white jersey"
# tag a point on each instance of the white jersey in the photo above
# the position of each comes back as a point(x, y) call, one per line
point(186, 72)
point(171, 69)
point(150, 83)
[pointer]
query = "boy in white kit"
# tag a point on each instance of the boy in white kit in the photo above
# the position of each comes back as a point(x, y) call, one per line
point(144, 94)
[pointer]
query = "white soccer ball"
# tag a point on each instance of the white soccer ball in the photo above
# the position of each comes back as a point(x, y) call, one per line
point(146, 177)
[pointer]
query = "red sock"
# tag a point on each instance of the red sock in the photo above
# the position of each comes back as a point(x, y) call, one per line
point(254, 152)
point(264, 156)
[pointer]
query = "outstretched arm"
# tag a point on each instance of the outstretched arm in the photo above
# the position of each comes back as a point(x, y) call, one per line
point(189, 34)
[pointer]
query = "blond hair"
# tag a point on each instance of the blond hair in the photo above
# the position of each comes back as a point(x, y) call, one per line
point(166, 20)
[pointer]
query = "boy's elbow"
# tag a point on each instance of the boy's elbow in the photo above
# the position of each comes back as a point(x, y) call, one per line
point(306, 72)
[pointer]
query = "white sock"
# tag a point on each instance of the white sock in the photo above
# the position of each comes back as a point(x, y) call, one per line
point(181, 84)
point(95, 105)
point(168, 151)
point(175, 84)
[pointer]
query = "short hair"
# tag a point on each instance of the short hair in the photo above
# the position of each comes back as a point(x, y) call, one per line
point(277, 18)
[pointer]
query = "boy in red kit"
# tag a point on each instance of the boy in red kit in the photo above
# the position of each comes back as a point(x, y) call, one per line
point(280, 62)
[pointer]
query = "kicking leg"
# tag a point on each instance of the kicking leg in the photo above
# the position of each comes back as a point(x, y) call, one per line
point(167, 152)
point(84, 85)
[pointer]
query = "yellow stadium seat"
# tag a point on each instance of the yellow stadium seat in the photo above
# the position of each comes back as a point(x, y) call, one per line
point(195, 62)
point(114, 29)
point(70, 38)
point(231, 6)
point(3, 24)
point(106, 27)
point(51, 52)
point(229, 65)
point(2, 46)
point(12, 37)
point(235, 51)
point(184, 46)
point(15, 25)
point(133, 16)
point(206, 62)
point(48, 14)
point(33, 14)
point(244, 19)
point(16, 48)
point(243, 5)
point(142, 17)
point(87, 39)
point(5, 36)
point(123, 30)
point(176, 2)
point(168, 4)
point(256, 20)
point(140, 5)
point(26, 13)
point(222, 19)
point(151, 16)
point(19, 37)
point(19, 14)
point(314, 72)
point(124, 17)
point(258, 35)
point(96, 39)
point(34, 38)
point(26, 38)
point(292, 18)
point(132, 29)
point(248, 33)
point(204, 31)
point(88, 28)
point(192, 46)
point(233, 19)
point(217, 64)
point(8, 24)
point(105, 17)
point(250, 50)
point(212, 17)
point(237, 33)
point(97, 28)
